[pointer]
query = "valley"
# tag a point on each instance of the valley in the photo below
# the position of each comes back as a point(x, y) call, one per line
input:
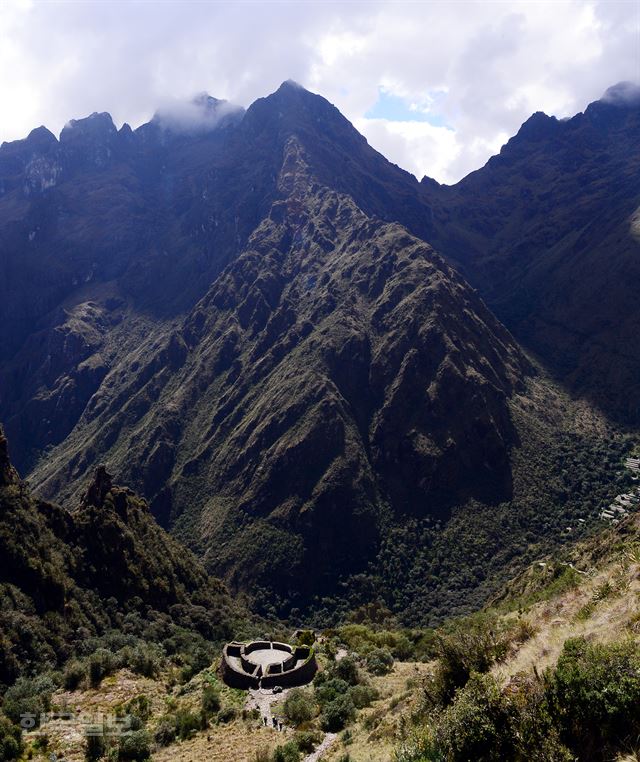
point(255, 378)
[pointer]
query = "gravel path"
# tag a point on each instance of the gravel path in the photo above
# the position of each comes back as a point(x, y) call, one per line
point(263, 700)
point(324, 746)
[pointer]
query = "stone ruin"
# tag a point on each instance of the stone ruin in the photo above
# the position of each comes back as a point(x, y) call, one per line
point(265, 664)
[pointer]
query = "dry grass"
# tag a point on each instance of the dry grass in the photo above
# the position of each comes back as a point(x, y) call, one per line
point(376, 731)
point(238, 741)
point(66, 738)
point(601, 608)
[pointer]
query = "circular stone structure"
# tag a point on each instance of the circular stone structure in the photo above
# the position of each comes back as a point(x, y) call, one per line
point(266, 663)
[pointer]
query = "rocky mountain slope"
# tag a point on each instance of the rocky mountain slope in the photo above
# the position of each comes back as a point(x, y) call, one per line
point(548, 232)
point(335, 373)
point(67, 577)
point(240, 314)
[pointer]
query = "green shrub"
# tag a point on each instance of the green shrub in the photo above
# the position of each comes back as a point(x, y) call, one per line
point(330, 689)
point(338, 713)
point(227, 714)
point(363, 695)
point(140, 707)
point(145, 659)
point(187, 723)
point(95, 748)
point(287, 753)
point(307, 740)
point(477, 726)
point(346, 669)
point(166, 730)
point(379, 661)
point(298, 707)
point(471, 646)
point(28, 696)
point(595, 694)
point(101, 664)
point(135, 747)
point(10, 740)
point(74, 673)
point(210, 700)
point(306, 638)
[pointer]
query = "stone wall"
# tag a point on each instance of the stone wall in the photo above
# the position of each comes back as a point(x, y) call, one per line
point(248, 675)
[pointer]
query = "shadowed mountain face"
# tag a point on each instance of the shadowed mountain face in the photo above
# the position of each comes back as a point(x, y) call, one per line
point(67, 576)
point(239, 313)
point(548, 231)
point(337, 372)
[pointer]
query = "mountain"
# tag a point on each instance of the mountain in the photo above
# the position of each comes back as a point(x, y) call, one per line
point(548, 233)
point(70, 576)
point(240, 314)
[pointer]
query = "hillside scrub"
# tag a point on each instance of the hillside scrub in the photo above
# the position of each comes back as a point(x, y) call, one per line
point(585, 708)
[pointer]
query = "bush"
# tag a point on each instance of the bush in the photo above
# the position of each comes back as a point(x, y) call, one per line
point(140, 707)
point(28, 696)
point(95, 748)
point(363, 695)
point(346, 669)
point(338, 713)
point(135, 747)
point(145, 659)
point(477, 726)
point(287, 753)
point(166, 731)
point(307, 740)
point(595, 694)
point(10, 740)
point(298, 707)
point(306, 638)
point(379, 661)
point(227, 714)
point(210, 700)
point(101, 664)
point(74, 673)
point(470, 647)
point(327, 690)
point(187, 723)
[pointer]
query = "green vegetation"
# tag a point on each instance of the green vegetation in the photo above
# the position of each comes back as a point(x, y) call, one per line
point(298, 707)
point(594, 693)
point(10, 739)
point(585, 708)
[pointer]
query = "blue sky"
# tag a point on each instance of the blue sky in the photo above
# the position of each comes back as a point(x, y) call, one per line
point(396, 109)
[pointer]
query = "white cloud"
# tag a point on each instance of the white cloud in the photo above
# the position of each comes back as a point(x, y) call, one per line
point(418, 147)
point(494, 62)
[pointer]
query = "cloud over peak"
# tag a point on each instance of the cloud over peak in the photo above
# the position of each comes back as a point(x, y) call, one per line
point(461, 77)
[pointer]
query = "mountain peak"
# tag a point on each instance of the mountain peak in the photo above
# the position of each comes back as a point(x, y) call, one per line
point(623, 94)
point(291, 84)
point(95, 126)
point(202, 113)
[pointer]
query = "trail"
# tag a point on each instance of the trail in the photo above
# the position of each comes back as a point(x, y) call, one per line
point(327, 742)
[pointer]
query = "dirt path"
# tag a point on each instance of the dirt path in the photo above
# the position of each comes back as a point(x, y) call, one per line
point(316, 755)
point(263, 701)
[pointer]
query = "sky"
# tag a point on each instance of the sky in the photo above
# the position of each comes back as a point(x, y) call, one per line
point(437, 87)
